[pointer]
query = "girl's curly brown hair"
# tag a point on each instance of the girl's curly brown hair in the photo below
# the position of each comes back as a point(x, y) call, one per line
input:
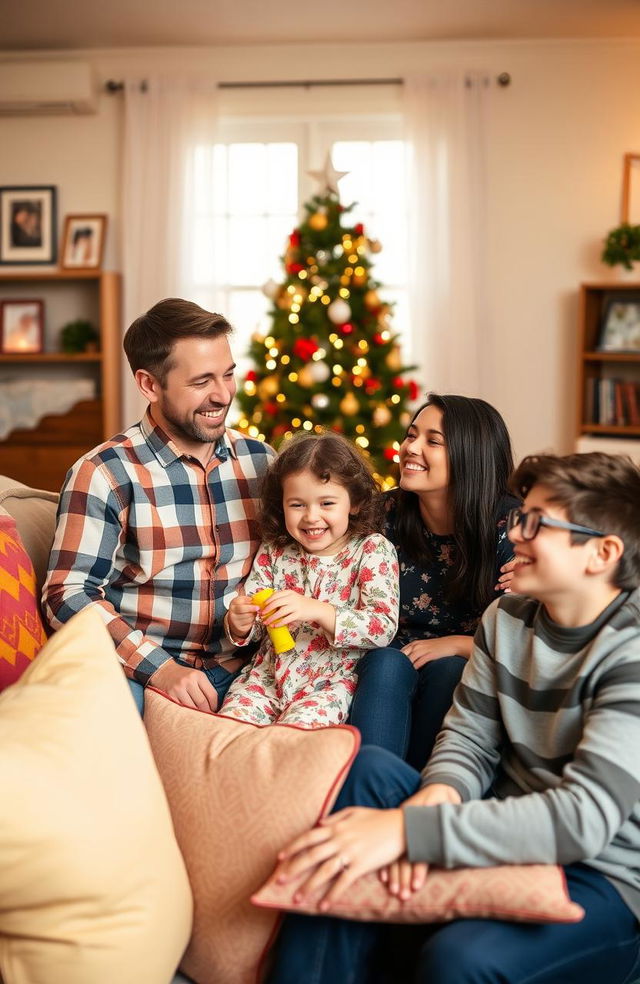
point(331, 458)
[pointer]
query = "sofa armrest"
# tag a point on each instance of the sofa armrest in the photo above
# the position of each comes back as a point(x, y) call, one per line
point(34, 512)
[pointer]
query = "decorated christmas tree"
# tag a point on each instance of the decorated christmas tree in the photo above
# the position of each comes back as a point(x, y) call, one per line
point(330, 359)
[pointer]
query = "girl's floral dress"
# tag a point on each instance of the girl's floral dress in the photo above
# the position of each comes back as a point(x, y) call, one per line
point(312, 685)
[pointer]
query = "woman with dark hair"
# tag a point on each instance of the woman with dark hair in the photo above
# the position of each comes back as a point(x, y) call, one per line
point(447, 521)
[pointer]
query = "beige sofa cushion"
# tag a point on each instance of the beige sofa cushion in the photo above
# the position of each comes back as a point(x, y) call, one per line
point(238, 793)
point(93, 889)
point(34, 511)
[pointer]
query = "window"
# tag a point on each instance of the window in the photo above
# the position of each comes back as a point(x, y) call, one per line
point(249, 196)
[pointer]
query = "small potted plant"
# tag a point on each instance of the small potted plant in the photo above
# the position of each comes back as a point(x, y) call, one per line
point(622, 246)
point(79, 336)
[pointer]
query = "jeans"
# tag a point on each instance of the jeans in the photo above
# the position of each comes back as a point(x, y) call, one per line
point(400, 708)
point(605, 946)
point(217, 675)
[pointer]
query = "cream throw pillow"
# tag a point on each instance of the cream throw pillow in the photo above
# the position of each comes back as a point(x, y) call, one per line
point(239, 793)
point(93, 889)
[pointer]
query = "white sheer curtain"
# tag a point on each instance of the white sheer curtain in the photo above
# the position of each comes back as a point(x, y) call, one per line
point(166, 121)
point(444, 115)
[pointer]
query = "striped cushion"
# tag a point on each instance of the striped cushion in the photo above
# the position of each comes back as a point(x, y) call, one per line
point(21, 631)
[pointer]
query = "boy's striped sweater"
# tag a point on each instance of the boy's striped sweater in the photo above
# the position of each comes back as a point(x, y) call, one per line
point(546, 719)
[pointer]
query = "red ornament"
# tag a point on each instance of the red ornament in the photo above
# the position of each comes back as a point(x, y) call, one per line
point(378, 339)
point(398, 383)
point(293, 267)
point(279, 430)
point(251, 376)
point(347, 328)
point(372, 385)
point(270, 408)
point(358, 229)
point(304, 348)
point(414, 390)
point(294, 238)
point(389, 454)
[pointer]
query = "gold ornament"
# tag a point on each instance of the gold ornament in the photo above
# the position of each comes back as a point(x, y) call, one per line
point(268, 387)
point(305, 378)
point(349, 405)
point(381, 415)
point(318, 221)
point(393, 360)
point(375, 245)
point(372, 300)
point(405, 418)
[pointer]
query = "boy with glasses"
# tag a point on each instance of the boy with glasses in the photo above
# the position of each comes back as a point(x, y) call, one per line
point(538, 760)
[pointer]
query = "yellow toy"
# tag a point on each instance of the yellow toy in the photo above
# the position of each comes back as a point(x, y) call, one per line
point(280, 636)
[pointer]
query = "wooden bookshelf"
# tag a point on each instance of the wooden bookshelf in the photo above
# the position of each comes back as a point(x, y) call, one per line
point(41, 456)
point(608, 381)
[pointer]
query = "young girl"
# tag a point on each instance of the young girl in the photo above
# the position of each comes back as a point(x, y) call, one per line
point(335, 582)
point(448, 523)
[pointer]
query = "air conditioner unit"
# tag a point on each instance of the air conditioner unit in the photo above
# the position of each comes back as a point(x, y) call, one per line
point(46, 87)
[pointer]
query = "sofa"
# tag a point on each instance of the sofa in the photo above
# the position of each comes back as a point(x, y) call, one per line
point(111, 864)
point(34, 514)
point(129, 849)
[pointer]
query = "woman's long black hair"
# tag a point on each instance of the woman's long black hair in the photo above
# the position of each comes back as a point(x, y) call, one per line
point(480, 463)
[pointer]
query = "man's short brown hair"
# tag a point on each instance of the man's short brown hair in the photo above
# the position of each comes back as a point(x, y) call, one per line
point(149, 340)
point(601, 491)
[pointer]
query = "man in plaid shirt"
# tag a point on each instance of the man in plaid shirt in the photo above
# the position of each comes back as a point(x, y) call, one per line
point(157, 527)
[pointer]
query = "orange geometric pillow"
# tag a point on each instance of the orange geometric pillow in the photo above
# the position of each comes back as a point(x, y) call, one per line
point(518, 892)
point(21, 631)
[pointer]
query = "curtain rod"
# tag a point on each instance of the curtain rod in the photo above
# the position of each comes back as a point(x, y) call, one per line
point(111, 85)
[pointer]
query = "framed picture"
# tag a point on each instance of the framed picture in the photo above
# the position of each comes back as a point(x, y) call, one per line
point(28, 232)
point(620, 325)
point(631, 189)
point(83, 242)
point(21, 326)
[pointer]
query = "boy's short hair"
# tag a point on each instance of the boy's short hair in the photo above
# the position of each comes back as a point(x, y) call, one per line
point(598, 490)
point(149, 340)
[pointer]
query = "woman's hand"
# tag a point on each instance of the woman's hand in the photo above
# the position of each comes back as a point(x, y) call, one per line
point(404, 877)
point(241, 616)
point(506, 576)
point(340, 849)
point(422, 651)
point(285, 607)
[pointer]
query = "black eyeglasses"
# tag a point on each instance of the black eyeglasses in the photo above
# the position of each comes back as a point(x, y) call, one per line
point(530, 523)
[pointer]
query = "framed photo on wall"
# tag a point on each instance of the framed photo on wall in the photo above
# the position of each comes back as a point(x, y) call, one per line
point(631, 189)
point(620, 324)
point(83, 242)
point(21, 326)
point(28, 225)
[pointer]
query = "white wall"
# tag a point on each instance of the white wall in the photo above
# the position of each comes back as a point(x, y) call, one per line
point(556, 138)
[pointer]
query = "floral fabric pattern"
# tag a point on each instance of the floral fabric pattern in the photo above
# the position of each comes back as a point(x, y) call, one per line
point(312, 685)
point(424, 614)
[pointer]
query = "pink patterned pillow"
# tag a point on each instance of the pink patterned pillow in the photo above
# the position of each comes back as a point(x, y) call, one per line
point(21, 631)
point(525, 893)
point(238, 793)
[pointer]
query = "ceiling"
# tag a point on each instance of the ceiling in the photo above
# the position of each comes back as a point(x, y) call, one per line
point(65, 24)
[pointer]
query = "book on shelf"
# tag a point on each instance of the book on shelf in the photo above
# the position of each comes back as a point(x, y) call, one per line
point(631, 401)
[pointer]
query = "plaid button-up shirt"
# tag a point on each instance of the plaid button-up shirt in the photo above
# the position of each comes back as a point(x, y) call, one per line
point(158, 542)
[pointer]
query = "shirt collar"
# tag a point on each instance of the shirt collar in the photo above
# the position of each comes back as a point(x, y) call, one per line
point(166, 451)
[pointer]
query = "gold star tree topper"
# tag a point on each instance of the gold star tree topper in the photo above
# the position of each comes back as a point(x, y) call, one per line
point(328, 176)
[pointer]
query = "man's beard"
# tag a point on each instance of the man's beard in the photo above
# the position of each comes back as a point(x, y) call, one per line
point(192, 431)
